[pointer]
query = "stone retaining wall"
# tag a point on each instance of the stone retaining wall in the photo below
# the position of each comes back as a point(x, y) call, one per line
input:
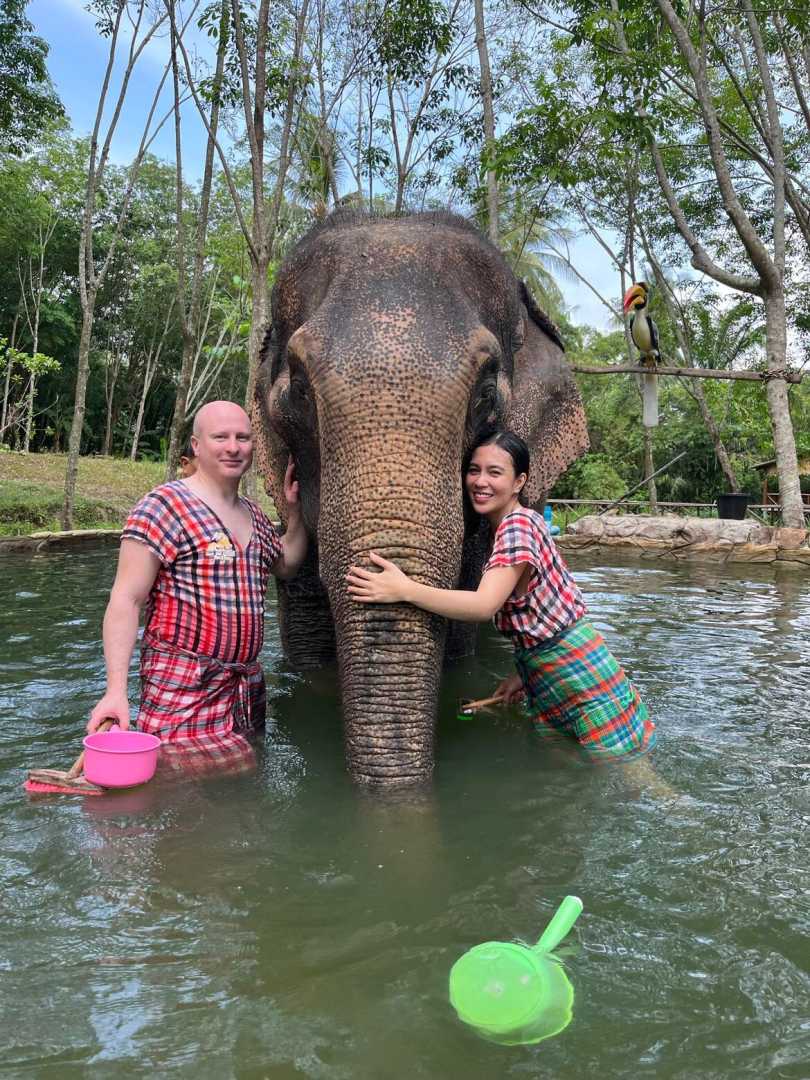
point(667, 536)
point(670, 536)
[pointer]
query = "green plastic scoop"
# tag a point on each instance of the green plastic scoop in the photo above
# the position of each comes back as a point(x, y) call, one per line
point(515, 993)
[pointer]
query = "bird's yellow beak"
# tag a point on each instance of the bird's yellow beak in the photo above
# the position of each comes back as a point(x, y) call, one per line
point(635, 292)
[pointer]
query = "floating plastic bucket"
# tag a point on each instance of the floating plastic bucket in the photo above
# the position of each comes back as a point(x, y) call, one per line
point(516, 994)
point(118, 759)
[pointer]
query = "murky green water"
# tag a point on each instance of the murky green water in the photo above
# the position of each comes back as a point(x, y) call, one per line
point(286, 924)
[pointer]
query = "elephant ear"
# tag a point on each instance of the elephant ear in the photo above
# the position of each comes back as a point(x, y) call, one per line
point(546, 409)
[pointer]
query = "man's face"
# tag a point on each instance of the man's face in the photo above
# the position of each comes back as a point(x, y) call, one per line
point(223, 448)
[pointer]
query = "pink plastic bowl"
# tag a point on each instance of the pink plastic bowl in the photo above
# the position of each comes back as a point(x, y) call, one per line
point(120, 758)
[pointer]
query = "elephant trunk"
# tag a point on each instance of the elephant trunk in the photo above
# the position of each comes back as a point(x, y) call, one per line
point(390, 658)
point(390, 655)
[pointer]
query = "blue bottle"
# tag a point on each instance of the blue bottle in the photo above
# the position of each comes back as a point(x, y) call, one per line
point(548, 517)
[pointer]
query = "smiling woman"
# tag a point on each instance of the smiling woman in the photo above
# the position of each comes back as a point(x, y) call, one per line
point(573, 685)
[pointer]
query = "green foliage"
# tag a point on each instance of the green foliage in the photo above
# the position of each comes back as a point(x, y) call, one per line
point(571, 157)
point(406, 34)
point(27, 99)
point(592, 477)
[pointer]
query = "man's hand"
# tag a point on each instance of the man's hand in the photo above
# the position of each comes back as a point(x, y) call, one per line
point(294, 541)
point(510, 690)
point(291, 489)
point(389, 585)
point(111, 707)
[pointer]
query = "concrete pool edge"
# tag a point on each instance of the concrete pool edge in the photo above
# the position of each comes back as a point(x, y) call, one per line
point(58, 540)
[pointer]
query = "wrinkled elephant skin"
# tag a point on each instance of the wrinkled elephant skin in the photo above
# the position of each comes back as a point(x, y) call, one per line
point(393, 341)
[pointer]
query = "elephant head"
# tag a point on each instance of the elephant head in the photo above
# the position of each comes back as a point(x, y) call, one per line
point(394, 340)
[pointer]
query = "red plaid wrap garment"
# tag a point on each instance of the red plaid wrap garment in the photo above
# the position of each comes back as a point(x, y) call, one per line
point(201, 683)
point(552, 602)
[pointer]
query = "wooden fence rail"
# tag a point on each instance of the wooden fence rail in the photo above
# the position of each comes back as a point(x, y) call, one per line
point(769, 511)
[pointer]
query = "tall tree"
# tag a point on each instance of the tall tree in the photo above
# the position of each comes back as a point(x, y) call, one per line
point(268, 81)
point(188, 306)
point(111, 14)
point(763, 245)
point(664, 88)
point(489, 121)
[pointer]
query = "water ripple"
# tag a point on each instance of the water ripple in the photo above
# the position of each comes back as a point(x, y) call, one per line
point(287, 924)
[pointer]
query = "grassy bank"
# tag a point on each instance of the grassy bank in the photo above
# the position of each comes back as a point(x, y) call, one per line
point(32, 487)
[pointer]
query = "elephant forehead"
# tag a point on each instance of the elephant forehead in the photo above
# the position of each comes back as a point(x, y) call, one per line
point(392, 264)
point(395, 347)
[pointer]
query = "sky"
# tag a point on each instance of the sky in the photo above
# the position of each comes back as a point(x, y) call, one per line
point(76, 62)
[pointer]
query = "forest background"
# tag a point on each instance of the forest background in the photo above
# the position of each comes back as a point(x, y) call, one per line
point(597, 144)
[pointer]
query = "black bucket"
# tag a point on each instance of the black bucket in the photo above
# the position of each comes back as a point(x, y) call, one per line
point(732, 506)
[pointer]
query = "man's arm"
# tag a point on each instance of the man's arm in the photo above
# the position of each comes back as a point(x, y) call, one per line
point(137, 569)
point(294, 541)
point(293, 546)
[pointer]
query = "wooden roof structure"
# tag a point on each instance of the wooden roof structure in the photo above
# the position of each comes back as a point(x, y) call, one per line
point(768, 469)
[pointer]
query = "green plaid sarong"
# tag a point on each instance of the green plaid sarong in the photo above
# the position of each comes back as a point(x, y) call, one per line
point(575, 687)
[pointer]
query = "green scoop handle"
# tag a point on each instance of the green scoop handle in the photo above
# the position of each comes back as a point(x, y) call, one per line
point(564, 918)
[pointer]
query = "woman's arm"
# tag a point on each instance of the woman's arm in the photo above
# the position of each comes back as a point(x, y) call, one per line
point(390, 585)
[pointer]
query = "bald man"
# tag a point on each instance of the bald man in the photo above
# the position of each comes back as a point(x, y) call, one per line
point(198, 557)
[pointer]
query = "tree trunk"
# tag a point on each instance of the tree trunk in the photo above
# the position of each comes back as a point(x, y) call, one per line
point(7, 380)
point(37, 301)
point(147, 380)
point(489, 121)
point(784, 442)
point(179, 417)
point(77, 426)
point(107, 447)
point(720, 451)
point(29, 417)
point(6, 388)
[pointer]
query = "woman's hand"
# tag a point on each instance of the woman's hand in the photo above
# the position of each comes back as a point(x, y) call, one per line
point(510, 690)
point(388, 585)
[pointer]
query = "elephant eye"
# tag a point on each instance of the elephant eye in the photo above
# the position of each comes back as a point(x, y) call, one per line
point(486, 395)
point(300, 393)
point(486, 391)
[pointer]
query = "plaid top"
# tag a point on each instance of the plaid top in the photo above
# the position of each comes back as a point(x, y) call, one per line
point(552, 602)
point(204, 618)
point(208, 596)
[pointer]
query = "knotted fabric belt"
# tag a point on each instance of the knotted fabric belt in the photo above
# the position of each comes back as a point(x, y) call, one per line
point(209, 668)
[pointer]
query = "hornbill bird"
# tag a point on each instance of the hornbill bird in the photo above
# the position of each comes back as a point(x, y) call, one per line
point(644, 333)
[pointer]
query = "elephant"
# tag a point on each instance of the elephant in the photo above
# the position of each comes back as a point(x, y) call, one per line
point(393, 341)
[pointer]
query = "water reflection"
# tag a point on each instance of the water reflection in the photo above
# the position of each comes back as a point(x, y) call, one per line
point(286, 923)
